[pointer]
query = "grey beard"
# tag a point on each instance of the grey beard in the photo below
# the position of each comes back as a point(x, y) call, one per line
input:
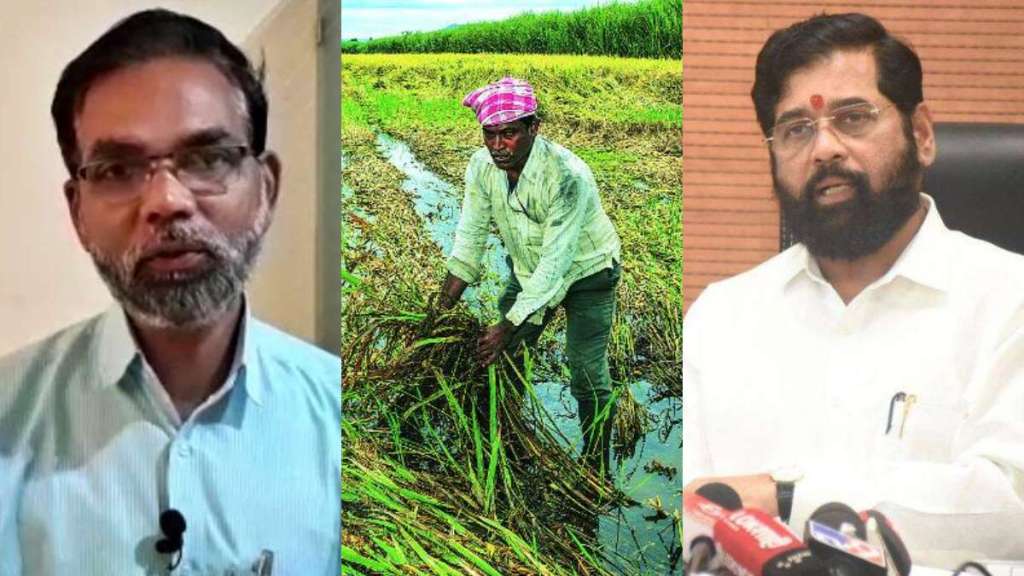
point(184, 302)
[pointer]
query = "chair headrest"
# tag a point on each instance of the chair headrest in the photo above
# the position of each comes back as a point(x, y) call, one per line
point(977, 181)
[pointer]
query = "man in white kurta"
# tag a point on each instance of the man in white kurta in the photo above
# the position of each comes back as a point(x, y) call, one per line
point(882, 370)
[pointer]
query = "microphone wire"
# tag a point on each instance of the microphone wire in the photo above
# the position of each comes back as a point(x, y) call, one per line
point(174, 565)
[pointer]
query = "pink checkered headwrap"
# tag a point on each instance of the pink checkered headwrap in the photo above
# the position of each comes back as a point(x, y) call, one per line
point(504, 101)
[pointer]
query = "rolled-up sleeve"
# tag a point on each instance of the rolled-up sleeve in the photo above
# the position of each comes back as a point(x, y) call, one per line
point(471, 232)
point(562, 227)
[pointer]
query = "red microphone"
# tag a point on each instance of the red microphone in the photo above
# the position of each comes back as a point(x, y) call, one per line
point(752, 543)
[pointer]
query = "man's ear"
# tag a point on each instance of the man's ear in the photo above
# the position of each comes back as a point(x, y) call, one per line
point(924, 134)
point(534, 127)
point(270, 173)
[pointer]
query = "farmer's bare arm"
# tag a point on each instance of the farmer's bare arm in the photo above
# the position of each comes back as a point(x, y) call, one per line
point(451, 291)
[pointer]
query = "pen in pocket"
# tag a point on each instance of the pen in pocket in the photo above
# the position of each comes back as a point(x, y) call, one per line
point(906, 402)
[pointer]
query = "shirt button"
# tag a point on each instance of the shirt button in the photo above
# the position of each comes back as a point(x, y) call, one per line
point(184, 450)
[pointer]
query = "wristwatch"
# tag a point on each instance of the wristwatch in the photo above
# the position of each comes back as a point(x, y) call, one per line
point(785, 485)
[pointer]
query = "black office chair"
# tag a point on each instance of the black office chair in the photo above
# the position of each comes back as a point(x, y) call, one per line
point(977, 182)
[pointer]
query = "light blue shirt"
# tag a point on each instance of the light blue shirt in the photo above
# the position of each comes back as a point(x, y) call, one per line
point(92, 451)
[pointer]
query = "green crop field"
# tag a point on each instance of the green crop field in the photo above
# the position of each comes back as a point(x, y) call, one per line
point(644, 29)
point(448, 468)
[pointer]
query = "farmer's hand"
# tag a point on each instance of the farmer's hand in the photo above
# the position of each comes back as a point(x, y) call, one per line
point(491, 344)
point(440, 302)
point(755, 490)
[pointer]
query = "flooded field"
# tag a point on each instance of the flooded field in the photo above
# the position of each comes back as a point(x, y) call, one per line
point(449, 466)
point(650, 474)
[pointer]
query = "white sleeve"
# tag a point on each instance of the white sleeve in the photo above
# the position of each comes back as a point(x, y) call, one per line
point(696, 456)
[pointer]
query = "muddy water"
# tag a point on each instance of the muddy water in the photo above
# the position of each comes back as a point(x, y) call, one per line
point(629, 533)
point(645, 541)
point(438, 203)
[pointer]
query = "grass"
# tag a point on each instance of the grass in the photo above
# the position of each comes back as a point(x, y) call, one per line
point(449, 468)
point(443, 458)
point(644, 29)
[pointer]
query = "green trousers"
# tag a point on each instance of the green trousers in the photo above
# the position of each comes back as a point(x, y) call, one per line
point(589, 308)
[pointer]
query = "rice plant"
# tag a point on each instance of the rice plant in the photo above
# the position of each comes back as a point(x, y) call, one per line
point(450, 466)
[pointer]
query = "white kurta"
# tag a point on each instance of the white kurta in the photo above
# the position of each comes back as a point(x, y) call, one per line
point(778, 372)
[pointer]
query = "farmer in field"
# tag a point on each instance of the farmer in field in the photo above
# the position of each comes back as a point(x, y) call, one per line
point(562, 248)
point(880, 361)
point(175, 398)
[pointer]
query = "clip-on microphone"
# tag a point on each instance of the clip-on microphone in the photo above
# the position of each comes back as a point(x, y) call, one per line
point(172, 524)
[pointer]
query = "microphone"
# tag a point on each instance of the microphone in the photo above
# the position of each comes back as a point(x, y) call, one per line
point(172, 524)
point(700, 511)
point(896, 553)
point(721, 494)
point(835, 533)
point(753, 543)
point(839, 516)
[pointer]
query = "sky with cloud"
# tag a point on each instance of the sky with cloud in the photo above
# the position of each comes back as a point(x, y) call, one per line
point(375, 19)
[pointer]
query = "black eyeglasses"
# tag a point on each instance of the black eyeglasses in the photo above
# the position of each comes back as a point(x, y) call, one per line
point(205, 170)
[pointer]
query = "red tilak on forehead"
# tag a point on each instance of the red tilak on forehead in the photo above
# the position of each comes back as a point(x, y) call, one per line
point(817, 102)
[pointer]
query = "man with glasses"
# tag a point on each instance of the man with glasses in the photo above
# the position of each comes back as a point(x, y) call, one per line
point(562, 248)
point(879, 361)
point(174, 429)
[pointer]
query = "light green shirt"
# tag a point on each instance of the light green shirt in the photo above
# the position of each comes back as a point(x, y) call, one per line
point(92, 451)
point(552, 225)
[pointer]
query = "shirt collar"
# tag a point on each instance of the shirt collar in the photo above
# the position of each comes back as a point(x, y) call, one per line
point(115, 351)
point(923, 261)
point(113, 348)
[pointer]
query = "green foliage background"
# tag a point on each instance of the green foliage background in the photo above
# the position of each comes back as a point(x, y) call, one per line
point(645, 29)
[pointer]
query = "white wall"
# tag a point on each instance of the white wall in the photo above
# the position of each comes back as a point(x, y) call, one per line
point(284, 287)
point(46, 280)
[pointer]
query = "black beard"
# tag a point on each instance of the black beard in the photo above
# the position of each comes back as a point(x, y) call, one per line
point(860, 226)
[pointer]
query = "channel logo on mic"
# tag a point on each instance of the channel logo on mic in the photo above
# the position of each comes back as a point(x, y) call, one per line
point(767, 538)
point(848, 544)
